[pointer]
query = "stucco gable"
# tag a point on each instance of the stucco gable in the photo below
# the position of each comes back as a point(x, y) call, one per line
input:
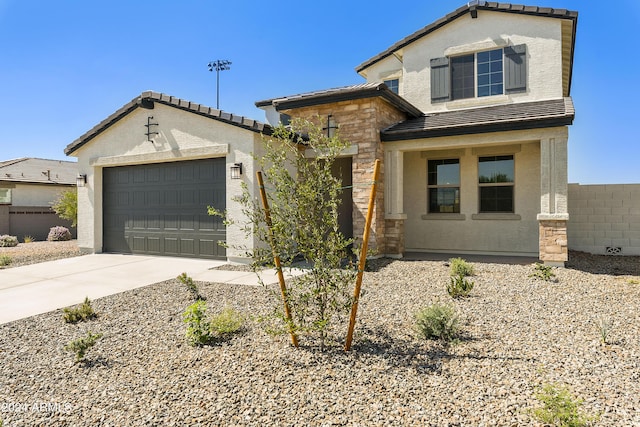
point(472, 8)
point(147, 99)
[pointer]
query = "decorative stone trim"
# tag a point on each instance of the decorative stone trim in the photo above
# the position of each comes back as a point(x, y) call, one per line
point(553, 242)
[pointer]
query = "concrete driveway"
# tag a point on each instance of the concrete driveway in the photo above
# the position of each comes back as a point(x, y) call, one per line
point(39, 288)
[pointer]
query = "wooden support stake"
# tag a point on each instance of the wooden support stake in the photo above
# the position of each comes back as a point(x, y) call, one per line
point(276, 259)
point(363, 255)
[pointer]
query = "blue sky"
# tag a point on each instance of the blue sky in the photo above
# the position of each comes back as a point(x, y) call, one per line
point(67, 65)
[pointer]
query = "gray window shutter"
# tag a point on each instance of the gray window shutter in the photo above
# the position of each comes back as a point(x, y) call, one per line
point(515, 68)
point(440, 86)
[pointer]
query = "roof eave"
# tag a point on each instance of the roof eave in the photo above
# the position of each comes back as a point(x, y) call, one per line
point(470, 8)
point(149, 98)
point(386, 136)
point(380, 90)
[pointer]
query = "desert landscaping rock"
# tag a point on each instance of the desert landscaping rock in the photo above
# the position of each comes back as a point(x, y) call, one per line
point(35, 252)
point(518, 333)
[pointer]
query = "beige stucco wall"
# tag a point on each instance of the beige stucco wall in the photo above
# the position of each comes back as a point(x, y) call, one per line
point(470, 232)
point(36, 194)
point(602, 216)
point(490, 30)
point(182, 136)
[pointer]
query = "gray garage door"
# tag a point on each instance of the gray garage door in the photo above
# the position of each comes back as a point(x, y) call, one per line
point(161, 209)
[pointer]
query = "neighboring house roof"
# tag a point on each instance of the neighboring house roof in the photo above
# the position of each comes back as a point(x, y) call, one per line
point(518, 116)
point(147, 100)
point(39, 171)
point(472, 8)
point(346, 93)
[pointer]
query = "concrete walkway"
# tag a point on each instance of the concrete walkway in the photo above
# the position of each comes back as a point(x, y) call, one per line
point(39, 288)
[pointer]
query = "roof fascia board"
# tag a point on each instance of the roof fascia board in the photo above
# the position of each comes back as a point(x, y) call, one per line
point(475, 129)
point(488, 6)
point(380, 90)
point(147, 99)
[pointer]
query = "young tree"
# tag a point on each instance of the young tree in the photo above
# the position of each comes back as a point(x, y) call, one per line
point(66, 206)
point(303, 197)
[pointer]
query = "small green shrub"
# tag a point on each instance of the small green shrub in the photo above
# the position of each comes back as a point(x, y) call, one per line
point(604, 327)
point(81, 313)
point(543, 272)
point(633, 282)
point(438, 321)
point(220, 327)
point(5, 260)
point(28, 239)
point(59, 234)
point(193, 288)
point(460, 267)
point(7, 241)
point(459, 286)
point(560, 408)
point(228, 322)
point(198, 329)
point(81, 345)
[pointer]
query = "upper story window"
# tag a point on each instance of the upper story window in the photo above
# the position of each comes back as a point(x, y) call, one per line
point(5, 196)
point(394, 85)
point(489, 68)
point(493, 72)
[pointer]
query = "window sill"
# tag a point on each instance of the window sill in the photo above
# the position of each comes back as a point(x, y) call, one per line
point(478, 101)
point(497, 216)
point(444, 216)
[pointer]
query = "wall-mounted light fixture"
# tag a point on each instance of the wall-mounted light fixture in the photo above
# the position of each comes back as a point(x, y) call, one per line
point(236, 171)
point(81, 180)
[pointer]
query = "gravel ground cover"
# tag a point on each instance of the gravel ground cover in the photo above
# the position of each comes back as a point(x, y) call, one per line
point(35, 252)
point(518, 333)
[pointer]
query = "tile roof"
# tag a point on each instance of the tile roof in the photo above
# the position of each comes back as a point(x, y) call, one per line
point(473, 7)
point(518, 116)
point(40, 171)
point(148, 98)
point(345, 93)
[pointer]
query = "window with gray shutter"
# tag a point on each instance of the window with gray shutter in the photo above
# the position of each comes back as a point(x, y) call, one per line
point(440, 87)
point(515, 68)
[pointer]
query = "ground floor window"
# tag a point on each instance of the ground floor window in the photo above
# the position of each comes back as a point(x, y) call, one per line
point(443, 185)
point(496, 184)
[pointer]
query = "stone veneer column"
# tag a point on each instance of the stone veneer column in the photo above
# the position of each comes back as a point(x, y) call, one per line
point(553, 242)
point(394, 203)
point(360, 122)
point(553, 216)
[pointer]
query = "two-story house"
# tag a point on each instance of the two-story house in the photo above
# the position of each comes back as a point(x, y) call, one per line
point(469, 116)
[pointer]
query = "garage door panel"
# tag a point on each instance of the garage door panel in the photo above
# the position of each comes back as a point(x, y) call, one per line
point(187, 196)
point(171, 198)
point(171, 222)
point(187, 246)
point(162, 208)
point(187, 222)
point(153, 245)
point(171, 246)
point(207, 247)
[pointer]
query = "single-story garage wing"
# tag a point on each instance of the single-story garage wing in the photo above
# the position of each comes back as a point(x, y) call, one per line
point(149, 171)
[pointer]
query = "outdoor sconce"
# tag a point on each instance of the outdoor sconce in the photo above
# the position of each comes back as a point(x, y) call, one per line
point(81, 180)
point(236, 171)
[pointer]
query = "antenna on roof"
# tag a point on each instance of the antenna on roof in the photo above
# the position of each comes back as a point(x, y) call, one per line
point(219, 65)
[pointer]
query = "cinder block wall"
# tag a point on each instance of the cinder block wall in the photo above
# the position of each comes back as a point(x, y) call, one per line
point(604, 219)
